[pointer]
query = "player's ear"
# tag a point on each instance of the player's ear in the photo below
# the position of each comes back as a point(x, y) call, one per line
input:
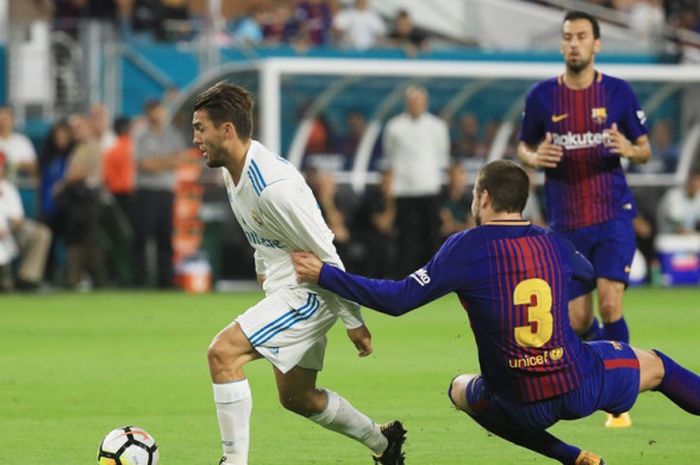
point(230, 130)
point(484, 199)
point(597, 46)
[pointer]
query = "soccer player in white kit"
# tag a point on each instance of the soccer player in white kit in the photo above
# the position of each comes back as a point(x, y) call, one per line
point(279, 215)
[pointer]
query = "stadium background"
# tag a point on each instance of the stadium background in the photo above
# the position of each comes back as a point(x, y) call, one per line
point(62, 58)
point(75, 366)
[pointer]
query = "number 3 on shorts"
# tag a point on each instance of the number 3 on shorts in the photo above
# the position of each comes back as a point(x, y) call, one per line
point(539, 312)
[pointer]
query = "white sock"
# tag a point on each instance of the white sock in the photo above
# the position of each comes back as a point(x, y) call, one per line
point(234, 405)
point(340, 416)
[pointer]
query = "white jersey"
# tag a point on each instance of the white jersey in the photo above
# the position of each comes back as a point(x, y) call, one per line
point(279, 215)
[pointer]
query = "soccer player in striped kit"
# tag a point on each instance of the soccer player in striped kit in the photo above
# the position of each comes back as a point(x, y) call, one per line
point(514, 279)
point(279, 215)
point(578, 127)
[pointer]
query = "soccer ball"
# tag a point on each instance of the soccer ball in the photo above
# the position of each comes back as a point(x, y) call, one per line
point(128, 445)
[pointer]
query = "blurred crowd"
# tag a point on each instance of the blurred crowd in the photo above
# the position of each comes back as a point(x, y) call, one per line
point(81, 210)
point(353, 24)
point(245, 23)
point(93, 206)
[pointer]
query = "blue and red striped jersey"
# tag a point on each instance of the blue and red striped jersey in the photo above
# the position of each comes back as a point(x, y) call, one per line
point(588, 186)
point(513, 279)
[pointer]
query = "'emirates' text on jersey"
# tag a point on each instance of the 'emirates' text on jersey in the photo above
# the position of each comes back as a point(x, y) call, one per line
point(588, 186)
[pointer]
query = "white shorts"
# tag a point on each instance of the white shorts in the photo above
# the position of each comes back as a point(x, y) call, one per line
point(289, 328)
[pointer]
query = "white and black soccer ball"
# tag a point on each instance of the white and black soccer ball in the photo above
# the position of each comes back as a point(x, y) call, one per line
point(128, 445)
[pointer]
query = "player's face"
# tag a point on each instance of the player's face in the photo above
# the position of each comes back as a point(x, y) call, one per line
point(578, 45)
point(209, 139)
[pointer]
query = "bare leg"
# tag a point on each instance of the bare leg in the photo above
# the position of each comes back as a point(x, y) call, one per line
point(227, 354)
point(581, 313)
point(610, 297)
point(299, 394)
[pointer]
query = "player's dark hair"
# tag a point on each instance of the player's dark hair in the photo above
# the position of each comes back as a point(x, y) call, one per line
point(507, 183)
point(577, 14)
point(225, 102)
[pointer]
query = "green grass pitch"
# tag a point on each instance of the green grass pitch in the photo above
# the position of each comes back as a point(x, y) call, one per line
point(74, 366)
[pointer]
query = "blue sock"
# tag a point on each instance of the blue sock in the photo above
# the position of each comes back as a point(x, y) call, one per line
point(680, 385)
point(539, 441)
point(593, 333)
point(616, 331)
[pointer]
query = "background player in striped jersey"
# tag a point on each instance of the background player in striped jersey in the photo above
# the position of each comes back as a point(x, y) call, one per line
point(278, 214)
point(513, 279)
point(577, 127)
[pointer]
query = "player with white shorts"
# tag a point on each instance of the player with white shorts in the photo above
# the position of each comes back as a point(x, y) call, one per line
point(279, 215)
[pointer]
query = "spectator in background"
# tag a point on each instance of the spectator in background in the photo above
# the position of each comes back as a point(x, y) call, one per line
point(665, 150)
point(78, 195)
point(416, 149)
point(455, 202)
point(119, 172)
point(648, 19)
point(406, 36)
point(349, 142)
point(123, 17)
point(176, 23)
point(315, 20)
point(248, 31)
point(325, 190)
point(148, 19)
point(281, 26)
point(374, 227)
point(466, 143)
point(20, 153)
point(101, 127)
point(118, 167)
point(19, 234)
point(359, 27)
point(53, 162)
point(157, 151)
point(688, 19)
point(679, 209)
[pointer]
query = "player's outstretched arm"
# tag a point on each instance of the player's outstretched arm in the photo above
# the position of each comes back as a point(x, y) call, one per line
point(386, 296)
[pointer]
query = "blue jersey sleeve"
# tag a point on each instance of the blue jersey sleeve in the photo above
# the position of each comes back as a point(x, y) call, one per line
point(633, 122)
point(533, 127)
point(444, 273)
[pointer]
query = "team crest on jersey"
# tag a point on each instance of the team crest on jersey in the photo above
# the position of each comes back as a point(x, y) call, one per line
point(256, 217)
point(616, 345)
point(599, 115)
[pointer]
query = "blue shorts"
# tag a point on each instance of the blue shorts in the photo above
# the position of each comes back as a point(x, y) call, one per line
point(608, 246)
point(612, 386)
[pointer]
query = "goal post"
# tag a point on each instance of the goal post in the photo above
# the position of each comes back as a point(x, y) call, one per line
point(292, 93)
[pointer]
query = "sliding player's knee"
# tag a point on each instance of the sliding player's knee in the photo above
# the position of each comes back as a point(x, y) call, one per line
point(458, 391)
point(651, 369)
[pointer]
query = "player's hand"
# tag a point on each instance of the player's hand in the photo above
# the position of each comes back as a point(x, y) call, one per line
point(307, 266)
point(617, 142)
point(548, 155)
point(362, 339)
